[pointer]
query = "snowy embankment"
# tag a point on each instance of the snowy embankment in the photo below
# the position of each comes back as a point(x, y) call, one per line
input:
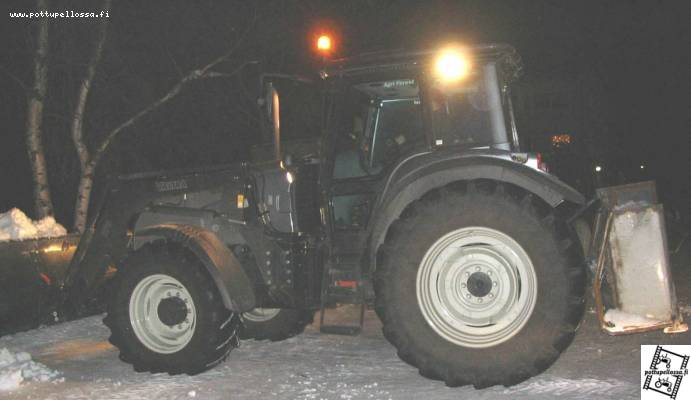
point(18, 367)
point(15, 225)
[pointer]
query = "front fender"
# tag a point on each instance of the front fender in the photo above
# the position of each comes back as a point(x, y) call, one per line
point(235, 287)
point(410, 182)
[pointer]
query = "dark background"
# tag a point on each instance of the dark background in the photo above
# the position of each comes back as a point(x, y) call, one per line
point(614, 75)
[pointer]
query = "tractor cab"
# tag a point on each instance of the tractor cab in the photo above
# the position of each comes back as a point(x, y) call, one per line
point(402, 102)
point(380, 107)
point(381, 110)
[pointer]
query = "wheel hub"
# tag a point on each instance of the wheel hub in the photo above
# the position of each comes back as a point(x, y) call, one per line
point(479, 284)
point(162, 314)
point(172, 311)
point(476, 287)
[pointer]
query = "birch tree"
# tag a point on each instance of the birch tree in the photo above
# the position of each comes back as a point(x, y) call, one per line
point(87, 163)
point(34, 119)
point(89, 159)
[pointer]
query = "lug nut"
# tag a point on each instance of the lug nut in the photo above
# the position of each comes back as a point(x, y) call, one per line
point(462, 285)
point(467, 296)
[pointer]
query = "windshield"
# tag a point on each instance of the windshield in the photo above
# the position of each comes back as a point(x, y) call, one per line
point(469, 113)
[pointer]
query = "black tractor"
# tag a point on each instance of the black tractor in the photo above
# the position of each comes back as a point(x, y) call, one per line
point(416, 200)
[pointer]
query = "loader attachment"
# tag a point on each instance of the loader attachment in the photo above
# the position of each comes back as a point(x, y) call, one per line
point(633, 286)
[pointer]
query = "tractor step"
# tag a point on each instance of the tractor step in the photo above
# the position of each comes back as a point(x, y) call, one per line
point(343, 329)
point(342, 285)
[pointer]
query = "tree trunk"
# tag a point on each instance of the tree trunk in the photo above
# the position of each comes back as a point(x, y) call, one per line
point(87, 164)
point(86, 182)
point(34, 120)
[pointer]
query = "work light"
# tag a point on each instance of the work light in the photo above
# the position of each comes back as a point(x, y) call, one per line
point(324, 44)
point(451, 66)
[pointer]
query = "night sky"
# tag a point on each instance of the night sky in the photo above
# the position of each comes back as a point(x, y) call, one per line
point(635, 53)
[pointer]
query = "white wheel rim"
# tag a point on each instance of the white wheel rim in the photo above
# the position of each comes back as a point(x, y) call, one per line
point(145, 303)
point(261, 314)
point(476, 287)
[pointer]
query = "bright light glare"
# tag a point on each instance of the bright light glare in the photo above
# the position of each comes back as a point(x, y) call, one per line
point(452, 66)
point(289, 177)
point(324, 43)
point(642, 166)
point(598, 168)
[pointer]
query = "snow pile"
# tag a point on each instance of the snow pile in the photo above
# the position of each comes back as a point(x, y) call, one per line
point(623, 320)
point(16, 368)
point(15, 225)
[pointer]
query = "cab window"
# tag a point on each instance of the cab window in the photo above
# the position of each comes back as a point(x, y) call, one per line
point(381, 122)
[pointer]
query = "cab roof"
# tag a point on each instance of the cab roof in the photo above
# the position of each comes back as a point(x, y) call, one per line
point(399, 60)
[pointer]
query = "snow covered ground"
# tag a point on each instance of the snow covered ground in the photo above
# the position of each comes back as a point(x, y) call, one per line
point(316, 366)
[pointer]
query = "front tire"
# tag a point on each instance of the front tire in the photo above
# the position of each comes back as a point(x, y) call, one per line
point(274, 324)
point(499, 286)
point(166, 314)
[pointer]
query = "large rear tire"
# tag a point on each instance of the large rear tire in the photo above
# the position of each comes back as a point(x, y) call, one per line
point(499, 286)
point(166, 314)
point(274, 324)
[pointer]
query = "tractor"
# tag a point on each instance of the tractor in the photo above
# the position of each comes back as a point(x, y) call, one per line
point(416, 200)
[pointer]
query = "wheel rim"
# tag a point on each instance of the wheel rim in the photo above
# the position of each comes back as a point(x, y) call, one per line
point(261, 314)
point(162, 314)
point(476, 287)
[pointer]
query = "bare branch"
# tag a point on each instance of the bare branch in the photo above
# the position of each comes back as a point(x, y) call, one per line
point(173, 92)
point(212, 74)
point(15, 78)
point(84, 89)
point(90, 161)
point(201, 73)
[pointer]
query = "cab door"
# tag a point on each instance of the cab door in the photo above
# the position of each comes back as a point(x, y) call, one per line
point(374, 125)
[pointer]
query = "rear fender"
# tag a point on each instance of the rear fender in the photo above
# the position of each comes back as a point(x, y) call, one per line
point(410, 183)
point(235, 287)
